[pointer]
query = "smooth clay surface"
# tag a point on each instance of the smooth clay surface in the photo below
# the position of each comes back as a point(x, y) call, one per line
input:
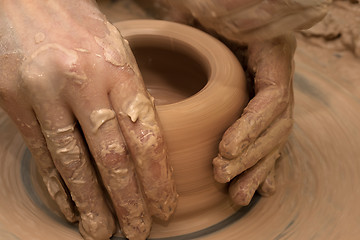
point(197, 84)
point(317, 197)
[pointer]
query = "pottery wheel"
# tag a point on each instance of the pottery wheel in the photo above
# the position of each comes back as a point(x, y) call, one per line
point(318, 174)
point(317, 194)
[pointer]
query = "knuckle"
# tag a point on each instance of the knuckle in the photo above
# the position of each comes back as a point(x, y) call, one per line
point(228, 150)
point(49, 63)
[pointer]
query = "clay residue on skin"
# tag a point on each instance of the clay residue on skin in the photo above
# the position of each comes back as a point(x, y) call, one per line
point(64, 144)
point(51, 178)
point(58, 193)
point(69, 128)
point(112, 147)
point(99, 117)
point(82, 50)
point(120, 181)
point(151, 159)
point(78, 78)
point(225, 170)
point(39, 37)
point(116, 49)
point(139, 107)
point(33, 70)
point(28, 125)
point(70, 148)
point(72, 160)
point(71, 54)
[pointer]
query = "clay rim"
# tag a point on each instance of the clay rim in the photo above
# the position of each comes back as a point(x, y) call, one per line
point(186, 39)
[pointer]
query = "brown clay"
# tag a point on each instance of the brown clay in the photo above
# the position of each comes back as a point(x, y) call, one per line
point(318, 195)
point(199, 89)
point(197, 84)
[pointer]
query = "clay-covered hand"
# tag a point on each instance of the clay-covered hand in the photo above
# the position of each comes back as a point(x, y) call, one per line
point(71, 85)
point(250, 147)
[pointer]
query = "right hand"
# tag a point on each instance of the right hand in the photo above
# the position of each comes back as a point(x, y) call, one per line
point(71, 85)
point(260, 33)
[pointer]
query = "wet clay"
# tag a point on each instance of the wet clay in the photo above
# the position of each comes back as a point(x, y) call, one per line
point(199, 90)
point(101, 116)
point(317, 197)
point(190, 92)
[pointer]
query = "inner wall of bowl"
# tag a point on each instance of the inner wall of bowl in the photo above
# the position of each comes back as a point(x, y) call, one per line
point(169, 75)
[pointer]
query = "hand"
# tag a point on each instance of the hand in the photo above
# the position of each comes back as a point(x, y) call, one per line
point(71, 84)
point(250, 147)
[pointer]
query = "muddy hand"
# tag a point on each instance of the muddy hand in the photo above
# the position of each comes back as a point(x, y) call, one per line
point(250, 147)
point(71, 84)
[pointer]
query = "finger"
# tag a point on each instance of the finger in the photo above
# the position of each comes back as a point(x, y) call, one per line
point(225, 170)
point(139, 124)
point(103, 135)
point(34, 139)
point(72, 160)
point(242, 188)
point(268, 187)
point(272, 64)
point(257, 116)
point(19, 109)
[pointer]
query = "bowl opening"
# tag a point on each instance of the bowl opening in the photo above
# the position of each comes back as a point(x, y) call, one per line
point(170, 75)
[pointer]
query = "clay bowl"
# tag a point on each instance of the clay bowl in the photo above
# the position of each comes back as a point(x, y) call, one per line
point(200, 90)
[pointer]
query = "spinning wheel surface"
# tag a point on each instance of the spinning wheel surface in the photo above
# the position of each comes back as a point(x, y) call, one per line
point(318, 174)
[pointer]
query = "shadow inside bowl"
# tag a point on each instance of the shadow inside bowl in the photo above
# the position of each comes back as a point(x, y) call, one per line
point(170, 76)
